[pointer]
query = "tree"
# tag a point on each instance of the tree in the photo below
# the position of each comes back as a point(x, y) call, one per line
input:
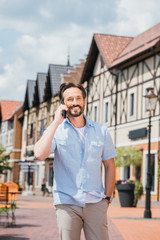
point(127, 156)
point(4, 163)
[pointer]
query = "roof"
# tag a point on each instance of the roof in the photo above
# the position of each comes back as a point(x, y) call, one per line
point(41, 80)
point(39, 88)
point(140, 44)
point(7, 109)
point(29, 96)
point(54, 73)
point(109, 47)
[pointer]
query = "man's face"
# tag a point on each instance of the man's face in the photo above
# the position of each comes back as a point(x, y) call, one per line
point(73, 99)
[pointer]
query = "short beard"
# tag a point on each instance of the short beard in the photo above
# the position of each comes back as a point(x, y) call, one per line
point(75, 114)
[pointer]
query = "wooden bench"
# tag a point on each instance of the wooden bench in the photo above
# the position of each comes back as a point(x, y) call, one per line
point(8, 197)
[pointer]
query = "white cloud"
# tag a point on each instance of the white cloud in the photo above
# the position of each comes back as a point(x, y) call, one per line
point(134, 17)
point(45, 13)
point(34, 54)
point(18, 25)
point(12, 72)
point(46, 30)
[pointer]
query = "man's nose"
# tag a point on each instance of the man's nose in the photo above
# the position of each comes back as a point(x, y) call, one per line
point(74, 101)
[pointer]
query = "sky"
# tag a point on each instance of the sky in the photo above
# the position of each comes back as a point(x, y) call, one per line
point(36, 33)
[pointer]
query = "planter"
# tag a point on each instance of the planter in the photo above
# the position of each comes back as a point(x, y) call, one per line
point(126, 194)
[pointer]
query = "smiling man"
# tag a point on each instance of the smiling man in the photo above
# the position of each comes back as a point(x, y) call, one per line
point(79, 146)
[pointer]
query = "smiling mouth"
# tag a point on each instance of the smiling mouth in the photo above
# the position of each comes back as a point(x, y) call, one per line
point(75, 108)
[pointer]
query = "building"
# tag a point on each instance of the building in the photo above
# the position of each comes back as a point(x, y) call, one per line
point(11, 119)
point(118, 70)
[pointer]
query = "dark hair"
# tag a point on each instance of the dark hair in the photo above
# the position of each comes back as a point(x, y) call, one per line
point(67, 85)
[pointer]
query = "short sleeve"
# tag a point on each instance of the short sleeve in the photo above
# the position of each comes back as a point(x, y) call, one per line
point(109, 148)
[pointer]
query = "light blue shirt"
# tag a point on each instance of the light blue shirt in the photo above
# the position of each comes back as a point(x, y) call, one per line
point(77, 164)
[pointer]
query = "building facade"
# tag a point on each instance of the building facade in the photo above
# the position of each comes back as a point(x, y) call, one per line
point(10, 136)
point(116, 85)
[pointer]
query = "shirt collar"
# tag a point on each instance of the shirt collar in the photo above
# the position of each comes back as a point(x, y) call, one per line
point(89, 123)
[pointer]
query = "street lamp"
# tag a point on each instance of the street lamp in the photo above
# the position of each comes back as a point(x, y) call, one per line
point(150, 106)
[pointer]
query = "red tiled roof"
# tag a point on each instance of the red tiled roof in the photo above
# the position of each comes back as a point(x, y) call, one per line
point(111, 46)
point(7, 108)
point(140, 44)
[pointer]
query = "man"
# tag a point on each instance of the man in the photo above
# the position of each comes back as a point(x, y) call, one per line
point(79, 146)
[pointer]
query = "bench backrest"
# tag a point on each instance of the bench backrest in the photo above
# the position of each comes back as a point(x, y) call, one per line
point(8, 191)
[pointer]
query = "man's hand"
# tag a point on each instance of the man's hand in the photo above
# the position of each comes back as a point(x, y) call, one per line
point(58, 113)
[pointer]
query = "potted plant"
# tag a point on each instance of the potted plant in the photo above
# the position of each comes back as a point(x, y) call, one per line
point(129, 191)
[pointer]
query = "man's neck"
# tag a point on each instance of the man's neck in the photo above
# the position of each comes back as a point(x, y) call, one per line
point(77, 122)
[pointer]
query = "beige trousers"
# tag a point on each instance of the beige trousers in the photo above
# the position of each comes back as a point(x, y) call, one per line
point(92, 218)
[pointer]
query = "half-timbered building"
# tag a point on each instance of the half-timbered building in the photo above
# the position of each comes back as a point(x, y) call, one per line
point(118, 71)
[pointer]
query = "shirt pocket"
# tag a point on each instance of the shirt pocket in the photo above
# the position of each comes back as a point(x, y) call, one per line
point(95, 151)
point(65, 145)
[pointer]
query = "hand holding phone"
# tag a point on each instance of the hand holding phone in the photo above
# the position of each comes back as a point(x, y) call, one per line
point(64, 113)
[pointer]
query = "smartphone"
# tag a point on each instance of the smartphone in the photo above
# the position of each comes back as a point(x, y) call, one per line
point(64, 113)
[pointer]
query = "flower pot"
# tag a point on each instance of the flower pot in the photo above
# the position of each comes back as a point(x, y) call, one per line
point(126, 194)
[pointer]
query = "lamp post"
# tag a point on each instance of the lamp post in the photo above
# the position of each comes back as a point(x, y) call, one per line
point(150, 106)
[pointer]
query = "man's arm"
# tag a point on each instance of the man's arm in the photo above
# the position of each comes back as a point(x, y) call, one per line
point(109, 166)
point(42, 147)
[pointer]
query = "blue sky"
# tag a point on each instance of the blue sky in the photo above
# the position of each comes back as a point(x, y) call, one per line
point(34, 34)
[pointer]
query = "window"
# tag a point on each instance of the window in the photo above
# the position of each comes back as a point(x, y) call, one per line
point(153, 170)
point(6, 140)
point(11, 138)
point(138, 173)
point(31, 130)
point(126, 172)
point(95, 113)
point(131, 103)
point(102, 63)
point(106, 116)
point(10, 125)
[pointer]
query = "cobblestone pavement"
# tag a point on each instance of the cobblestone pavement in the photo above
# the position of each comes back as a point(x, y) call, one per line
point(36, 219)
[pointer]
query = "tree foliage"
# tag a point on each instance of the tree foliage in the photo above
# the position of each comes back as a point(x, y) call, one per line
point(4, 163)
point(127, 156)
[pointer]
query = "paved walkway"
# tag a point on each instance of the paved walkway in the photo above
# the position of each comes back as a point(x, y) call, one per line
point(36, 219)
